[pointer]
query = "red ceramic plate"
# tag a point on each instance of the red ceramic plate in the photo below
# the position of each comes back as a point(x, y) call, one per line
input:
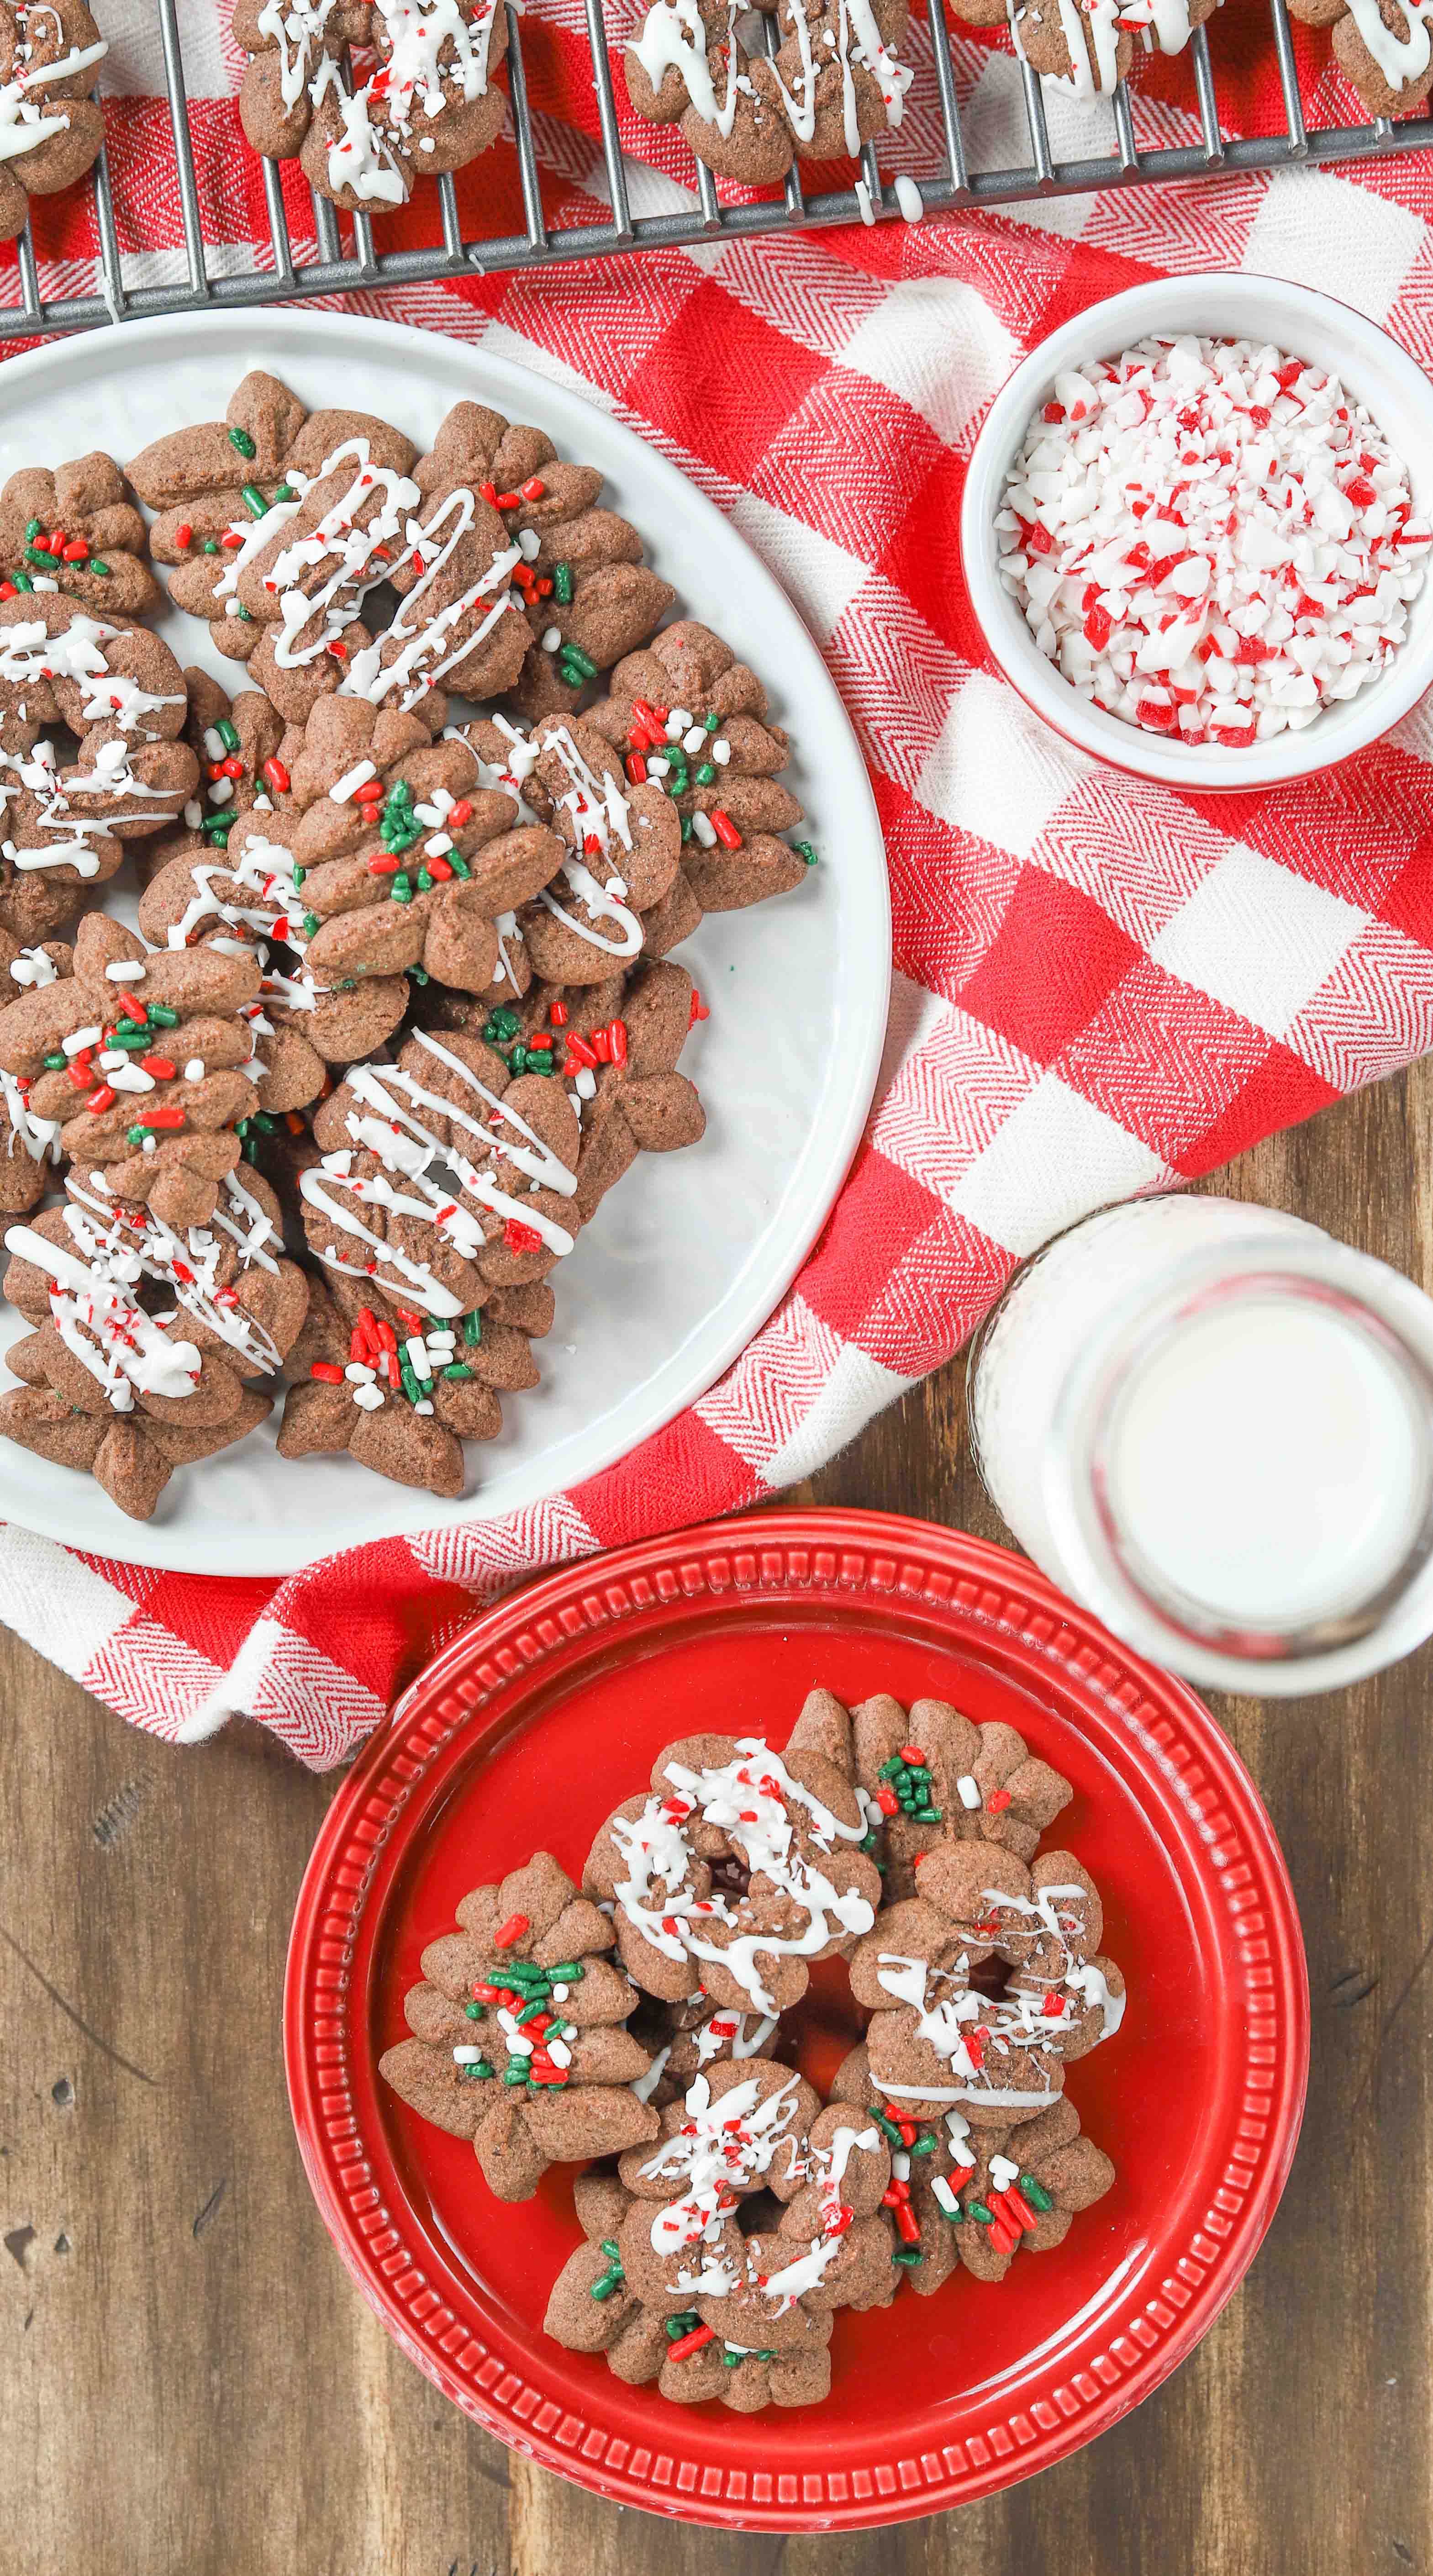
point(529, 1728)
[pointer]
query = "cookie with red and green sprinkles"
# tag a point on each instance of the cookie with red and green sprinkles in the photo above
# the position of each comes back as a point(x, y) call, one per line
point(933, 1776)
point(518, 2037)
point(73, 528)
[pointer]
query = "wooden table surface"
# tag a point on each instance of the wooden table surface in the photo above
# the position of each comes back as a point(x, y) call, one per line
point(190, 2383)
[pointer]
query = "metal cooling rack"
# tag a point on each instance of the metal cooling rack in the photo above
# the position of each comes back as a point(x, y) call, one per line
point(331, 266)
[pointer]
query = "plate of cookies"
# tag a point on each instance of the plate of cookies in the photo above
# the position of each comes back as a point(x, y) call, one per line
point(394, 793)
point(728, 1970)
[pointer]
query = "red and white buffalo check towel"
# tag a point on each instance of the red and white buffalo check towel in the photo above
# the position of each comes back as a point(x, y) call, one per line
point(1100, 988)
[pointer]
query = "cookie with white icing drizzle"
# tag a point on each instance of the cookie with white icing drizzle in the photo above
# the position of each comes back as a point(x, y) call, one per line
point(1384, 48)
point(736, 1872)
point(66, 815)
point(970, 2196)
point(50, 131)
point(744, 2313)
point(836, 82)
point(518, 2039)
point(428, 104)
point(684, 2039)
point(1085, 47)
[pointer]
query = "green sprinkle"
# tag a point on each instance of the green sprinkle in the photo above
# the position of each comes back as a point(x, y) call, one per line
point(573, 653)
point(517, 1060)
point(501, 1025)
point(135, 1135)
point(32, 529)
point(458, 1369)
point(686, 827)
point(730, 2359)
point(228, 734)
point(566, 1973)
point(399, 889)
point(286, 492)
point(254, 501)
point(161, 1017)
point(909, 2255)
point(211, 545)
point(977, 2209)
point(458, 864)
point(411, 1388)
point(419, 974)
point(539, 1063)
point(96, 566)
point(514, 2074)
point(473, 1329)
point(706, 775)
point(887, 2128)
point(240, 439)
point(685, 2324)
point(246, 616)
point(561, 584)
point(924, 2145)
point(479, 2066)
point(299, 876)
point(805, 851)
point(474, 2011)
point(710, 722)
point(40, 557)
point(265, 1121)
point(56, 1063)
point(610, 2248)
point(131, 1040)
point(310, 923)
point(1035, 2192)
point(22, 581)
point(425, 882)
point(606, 2284)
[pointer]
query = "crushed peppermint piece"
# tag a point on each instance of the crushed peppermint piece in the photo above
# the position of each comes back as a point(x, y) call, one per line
point(1210, 539)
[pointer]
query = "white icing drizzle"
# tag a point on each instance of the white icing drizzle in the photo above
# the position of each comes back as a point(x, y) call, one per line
point(748, 1798)
point(297, 29)
point(1400, 58)
point(832, 2162)
point(597, 814)
point(361, 556)
point(125, 1247)
point(33, 968)
point(1100, 18)
point(23, 124)
point(429, 53)
point(673, 35)
point(1017, 2021)
point(37, 1137)
point(112, 1337)
point(721, 2148)
point(369, 676)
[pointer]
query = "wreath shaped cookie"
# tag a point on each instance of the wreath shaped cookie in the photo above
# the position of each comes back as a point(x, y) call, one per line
point(50, 132)
point(1087, 46)
point(429, 105)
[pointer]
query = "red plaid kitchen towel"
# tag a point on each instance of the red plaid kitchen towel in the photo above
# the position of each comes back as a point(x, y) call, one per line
point(1101, 988)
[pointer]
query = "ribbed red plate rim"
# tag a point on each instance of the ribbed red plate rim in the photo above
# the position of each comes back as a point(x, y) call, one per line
point(919, 1597)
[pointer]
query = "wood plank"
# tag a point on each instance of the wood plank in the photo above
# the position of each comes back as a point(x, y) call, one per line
point(190, 2383)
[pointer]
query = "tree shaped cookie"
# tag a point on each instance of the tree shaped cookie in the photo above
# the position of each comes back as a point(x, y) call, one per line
point(401, 1394)
point(71, 528)
point(518, 2039)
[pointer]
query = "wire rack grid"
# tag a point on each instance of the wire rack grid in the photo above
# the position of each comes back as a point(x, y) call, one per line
point(949, 187)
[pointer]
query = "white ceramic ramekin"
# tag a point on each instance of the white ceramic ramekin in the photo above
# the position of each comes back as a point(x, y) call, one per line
point(1228, 306)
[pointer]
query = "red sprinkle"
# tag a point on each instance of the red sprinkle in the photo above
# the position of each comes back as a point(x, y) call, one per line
point(636, 768)
point(276, 776)
point(330, 1373)
point(100, 1100)
point(698, 1010)
point(725, 829)
point(518, 1237)
point(511, 1931)
point(183, 533)
point(134, 1011)
point(460, 813)
point(76, 551)
point(692, 2342)
point(558, 1015)
point(159, 1065)
point(533, 489)
point(162, 1118)
point(997, 1802)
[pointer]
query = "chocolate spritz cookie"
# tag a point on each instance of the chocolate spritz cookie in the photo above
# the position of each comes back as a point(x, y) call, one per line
point(678, 2287)
point(31, 1144)
point(518, 2039)
point(65, 816)
point(429, 103)
point(1384, 48)
point(49, 55)
point(836, 81)
point(282, 525)
point(1087, 46)
point(737, 1871)
point(975, 2197)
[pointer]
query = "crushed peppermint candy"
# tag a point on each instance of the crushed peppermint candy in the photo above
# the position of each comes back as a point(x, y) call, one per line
point(1210, 539)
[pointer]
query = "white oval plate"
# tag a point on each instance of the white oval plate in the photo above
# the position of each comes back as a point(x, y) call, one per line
point(689, 1255)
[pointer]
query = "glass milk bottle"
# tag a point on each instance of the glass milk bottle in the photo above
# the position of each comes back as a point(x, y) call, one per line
point(1212, 1424)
